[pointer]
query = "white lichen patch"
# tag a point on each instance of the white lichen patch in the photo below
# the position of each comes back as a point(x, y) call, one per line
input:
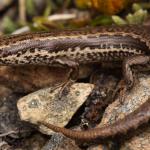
point(45, 105)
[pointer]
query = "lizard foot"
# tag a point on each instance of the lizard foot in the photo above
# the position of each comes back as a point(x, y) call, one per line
point(122, 89)
point(64, 88)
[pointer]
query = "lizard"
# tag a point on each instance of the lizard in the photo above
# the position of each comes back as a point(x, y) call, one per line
point(127, 45)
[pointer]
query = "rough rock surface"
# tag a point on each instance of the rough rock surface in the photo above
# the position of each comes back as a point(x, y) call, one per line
point(141, 141)
point(9, 118)
point(133, 99)
point(45, 105)
point(60, 142)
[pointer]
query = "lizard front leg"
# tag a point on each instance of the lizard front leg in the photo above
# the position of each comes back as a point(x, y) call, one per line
point(73, 74)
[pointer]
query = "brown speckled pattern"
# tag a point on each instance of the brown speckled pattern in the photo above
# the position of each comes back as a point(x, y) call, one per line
point(83, 45)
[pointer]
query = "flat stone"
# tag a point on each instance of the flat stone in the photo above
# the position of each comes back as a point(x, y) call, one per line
point(45, 105)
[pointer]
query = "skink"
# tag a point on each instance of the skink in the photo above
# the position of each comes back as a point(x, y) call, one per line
point(127, 44)
point(83, 46)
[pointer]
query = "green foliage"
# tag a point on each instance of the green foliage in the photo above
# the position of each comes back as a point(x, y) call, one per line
point(101, 20)
point(137, 17)
point(8, 25)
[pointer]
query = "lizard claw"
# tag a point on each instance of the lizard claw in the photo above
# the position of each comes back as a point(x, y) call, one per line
point(122, 94)
point(65, 88)
point(122, 89)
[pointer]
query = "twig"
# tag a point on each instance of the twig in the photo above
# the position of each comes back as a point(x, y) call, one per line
point(22, 11)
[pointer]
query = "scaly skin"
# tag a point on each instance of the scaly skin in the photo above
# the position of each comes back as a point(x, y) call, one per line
point(127, 44)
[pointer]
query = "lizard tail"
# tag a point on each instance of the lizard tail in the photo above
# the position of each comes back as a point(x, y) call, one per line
point(131, 121)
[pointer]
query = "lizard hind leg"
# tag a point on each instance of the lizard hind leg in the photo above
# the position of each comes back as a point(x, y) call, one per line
point(128, 72)
point(72, 75)
point(127, 68)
